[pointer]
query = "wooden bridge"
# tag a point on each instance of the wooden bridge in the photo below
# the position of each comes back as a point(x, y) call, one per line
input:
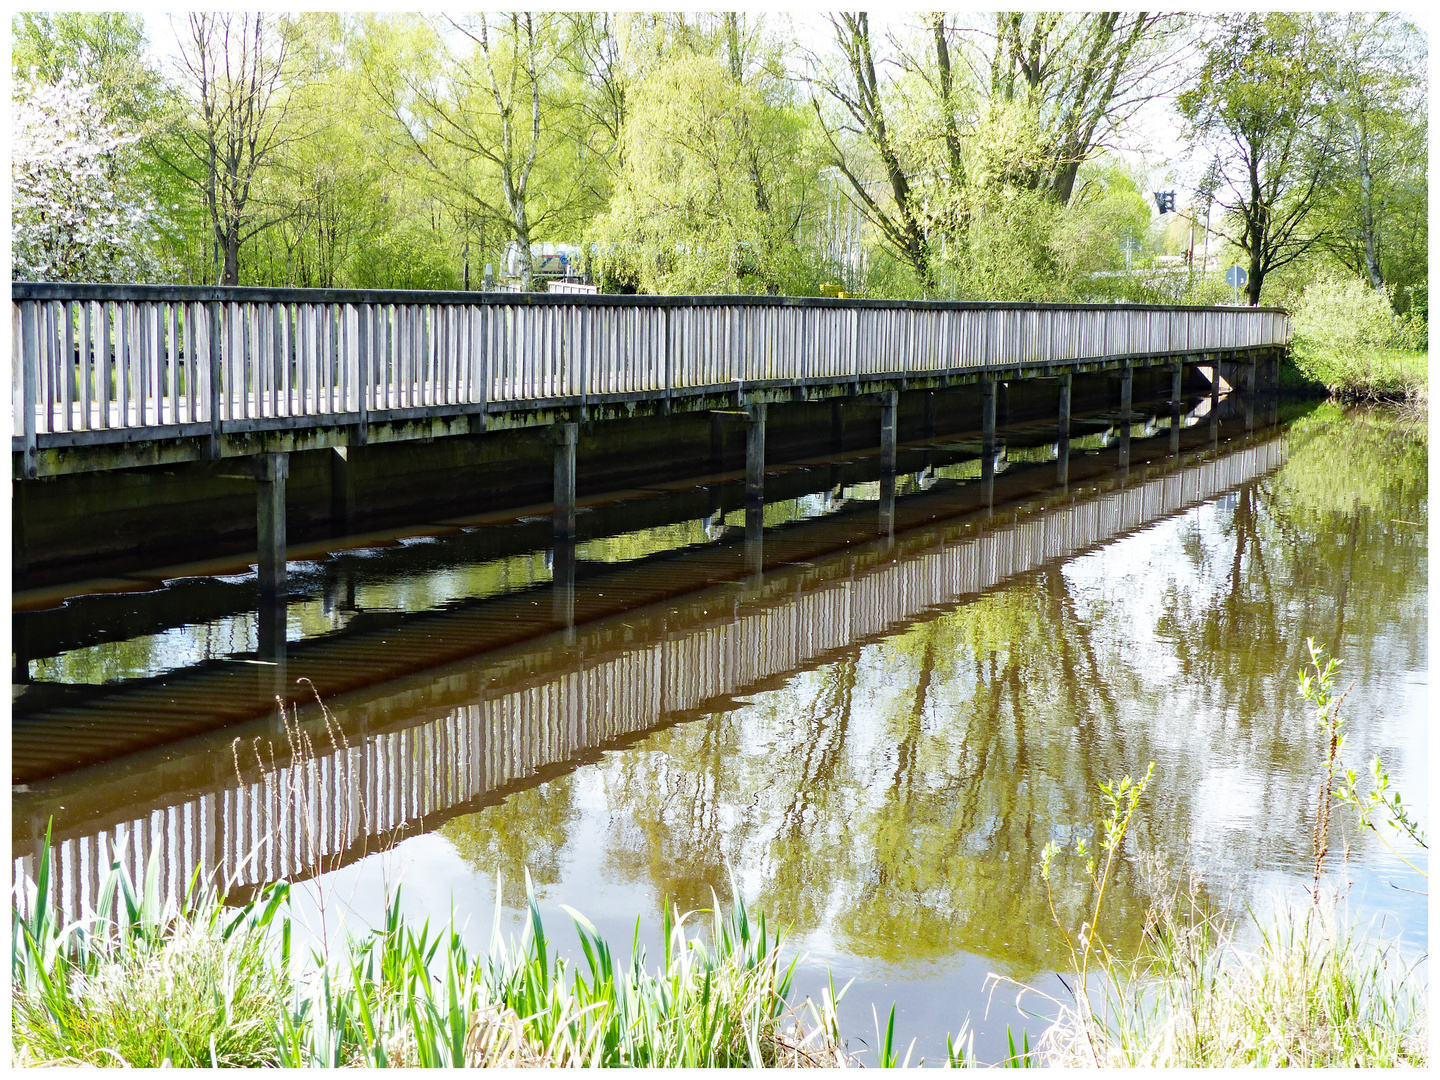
point(111, 377)
point(417, 751)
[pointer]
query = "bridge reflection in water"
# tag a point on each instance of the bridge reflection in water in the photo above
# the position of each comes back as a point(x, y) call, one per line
point(254, 804)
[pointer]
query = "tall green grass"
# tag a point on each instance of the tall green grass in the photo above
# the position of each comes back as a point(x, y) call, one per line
point(146, 982)
point(143, 982)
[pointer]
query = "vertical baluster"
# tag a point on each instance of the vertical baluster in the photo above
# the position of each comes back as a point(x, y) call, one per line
point(30, 363)
point(402, 354)
point(45, 327)
point(66, 368)
point(262, 342)
point(335, 319)
point(88, 329)
point(109, 339)
point(187, 361)
point(144, 388)
point(173, 360)
point(300, 343)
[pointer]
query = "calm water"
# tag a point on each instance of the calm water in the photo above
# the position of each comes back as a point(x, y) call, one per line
point(873, 739)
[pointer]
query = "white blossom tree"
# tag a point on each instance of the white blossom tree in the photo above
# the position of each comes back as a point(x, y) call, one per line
point(76, 214)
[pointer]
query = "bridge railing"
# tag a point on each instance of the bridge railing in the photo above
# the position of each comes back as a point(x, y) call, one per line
point(110, 359)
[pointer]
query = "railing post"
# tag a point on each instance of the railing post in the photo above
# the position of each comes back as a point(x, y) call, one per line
point(212, 450)
point(669, 374)
point(364, 313)
point(29, 377)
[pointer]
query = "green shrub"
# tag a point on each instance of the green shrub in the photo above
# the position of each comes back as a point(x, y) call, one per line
point(1349, 340)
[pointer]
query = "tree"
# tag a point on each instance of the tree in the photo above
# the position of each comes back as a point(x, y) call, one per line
point(102, 49)
point(1376, 84)
point(716, 181)
point(977, 137)
point(236, 66)
point(77, 214)
point(854, 86)
point(1259, 104)
point(470, 101)
point(1080, 77)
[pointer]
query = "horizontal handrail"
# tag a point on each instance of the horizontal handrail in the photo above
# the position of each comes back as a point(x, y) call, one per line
point(66, 290)
point(103, 358)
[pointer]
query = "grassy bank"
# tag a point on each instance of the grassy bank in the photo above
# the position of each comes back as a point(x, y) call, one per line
point(1361, 375)
point(200, 984)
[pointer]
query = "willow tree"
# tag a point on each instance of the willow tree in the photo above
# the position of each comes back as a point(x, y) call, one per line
point(719, 171)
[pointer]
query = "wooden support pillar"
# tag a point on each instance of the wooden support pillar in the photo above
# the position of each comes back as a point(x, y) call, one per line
point(1177, 387)
point(987, 441)
point(19, 652)
point(717, 442)
point(1252, 369)
point(755, 537)
point(889, 406)
point(1062, 433)
point(1126, 386)
point(342, 492)
point(565, 436)
point(271, 472)
point(987, 413)
point(755, 453)
point(19, 555)
point(887, 503)
point(1215, 398)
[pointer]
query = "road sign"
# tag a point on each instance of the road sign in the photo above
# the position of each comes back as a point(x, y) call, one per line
point(1235, 276)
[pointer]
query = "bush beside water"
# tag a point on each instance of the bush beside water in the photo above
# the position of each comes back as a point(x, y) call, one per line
point(1349, 340)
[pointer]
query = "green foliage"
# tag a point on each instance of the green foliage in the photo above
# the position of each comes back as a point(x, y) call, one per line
point(144, 982)
point(149, 983)
point(1348, 339)
point(718, 173)
point(1311, 992)
point(104, 48)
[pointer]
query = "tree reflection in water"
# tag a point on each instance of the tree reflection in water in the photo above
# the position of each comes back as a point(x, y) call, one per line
point(896, 799)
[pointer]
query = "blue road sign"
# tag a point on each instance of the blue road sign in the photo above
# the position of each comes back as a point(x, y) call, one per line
point(1235, 276)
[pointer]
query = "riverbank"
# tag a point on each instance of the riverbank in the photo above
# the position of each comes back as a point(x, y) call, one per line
point(1365, 375)
point(203, 984)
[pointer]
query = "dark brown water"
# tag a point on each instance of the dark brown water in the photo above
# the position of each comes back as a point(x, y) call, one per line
point(872, 735)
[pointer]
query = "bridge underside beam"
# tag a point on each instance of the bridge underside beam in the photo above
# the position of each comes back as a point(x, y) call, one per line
point(63, 453)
